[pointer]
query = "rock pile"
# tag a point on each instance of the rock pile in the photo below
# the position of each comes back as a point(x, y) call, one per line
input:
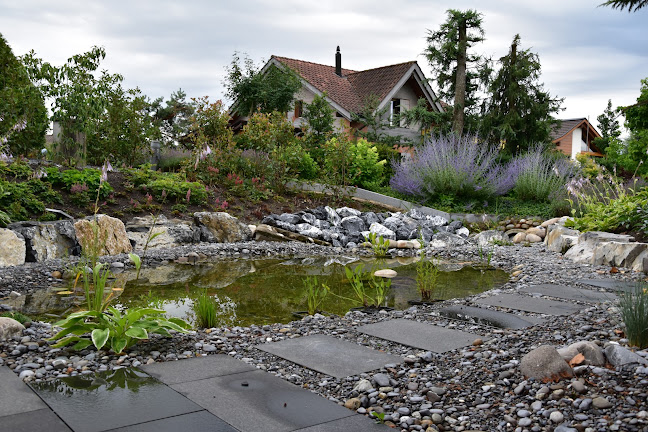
point(347, 227)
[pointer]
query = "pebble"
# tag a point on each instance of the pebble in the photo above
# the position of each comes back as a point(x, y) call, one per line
point(477, 388)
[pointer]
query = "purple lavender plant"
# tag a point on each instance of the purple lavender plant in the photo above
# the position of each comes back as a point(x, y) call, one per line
point(462, 166)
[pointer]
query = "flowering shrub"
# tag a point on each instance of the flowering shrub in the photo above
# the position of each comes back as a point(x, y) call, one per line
point(266, 131)
point(539, 176)
point(451, 165)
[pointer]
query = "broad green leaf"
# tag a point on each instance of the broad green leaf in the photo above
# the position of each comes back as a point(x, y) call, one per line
point(66, 341)
point(137, 333)
point(83, 343)
point(137, 261)
point(118, 344)
point(180, 322)
point(99, 337)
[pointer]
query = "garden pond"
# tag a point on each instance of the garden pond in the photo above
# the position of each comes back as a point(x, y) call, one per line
point(261, 291)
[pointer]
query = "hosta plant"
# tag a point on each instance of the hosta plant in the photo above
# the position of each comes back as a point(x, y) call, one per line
point(114, 329)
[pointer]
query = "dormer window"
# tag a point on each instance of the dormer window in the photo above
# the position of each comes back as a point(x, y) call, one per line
point(396, 107)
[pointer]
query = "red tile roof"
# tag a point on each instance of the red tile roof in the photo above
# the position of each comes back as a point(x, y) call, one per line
point(353, 87)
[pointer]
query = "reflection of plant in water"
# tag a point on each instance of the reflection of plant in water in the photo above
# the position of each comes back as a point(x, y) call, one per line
point(427, 274)
point(356, 277)
point(124, 378)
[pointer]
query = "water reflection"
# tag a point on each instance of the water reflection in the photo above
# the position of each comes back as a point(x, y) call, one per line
point(270, 290)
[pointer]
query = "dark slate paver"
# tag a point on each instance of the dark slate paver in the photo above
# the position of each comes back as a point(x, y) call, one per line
point(32, 421)
point(530, 304)
point(330, 355)
point(201, 421)
point(489, 317)
point(348, 424)
point(196, 368)
point(419, 335)
point(15, 396)
point(109, 400)
point(611, 284)
point(570, 293)
point(259, 401)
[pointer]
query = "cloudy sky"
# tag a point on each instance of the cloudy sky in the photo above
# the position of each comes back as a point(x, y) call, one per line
point(589, 54)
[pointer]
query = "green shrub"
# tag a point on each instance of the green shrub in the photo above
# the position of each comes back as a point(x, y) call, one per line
point(367, 170)
point(298, 161)
point(69, 178)
point(174, 189)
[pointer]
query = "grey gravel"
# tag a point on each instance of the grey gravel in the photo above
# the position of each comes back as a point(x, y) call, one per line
point(474, 388)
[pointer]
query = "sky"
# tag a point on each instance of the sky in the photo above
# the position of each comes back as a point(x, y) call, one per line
point(589, 54)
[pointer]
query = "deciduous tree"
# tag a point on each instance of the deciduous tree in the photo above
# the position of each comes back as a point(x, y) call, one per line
point(23, 116)
point(608, 126)
point(253, 89)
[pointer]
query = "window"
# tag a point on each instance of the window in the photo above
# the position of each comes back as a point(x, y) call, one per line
point(299, 108)
point(396, 107)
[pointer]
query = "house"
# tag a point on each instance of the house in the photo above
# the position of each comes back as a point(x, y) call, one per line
point(574, 136)
point(398, 87)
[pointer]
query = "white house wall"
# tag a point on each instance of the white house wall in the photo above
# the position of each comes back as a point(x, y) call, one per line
point(306, 96)
point(578, 145)
point(412, 132)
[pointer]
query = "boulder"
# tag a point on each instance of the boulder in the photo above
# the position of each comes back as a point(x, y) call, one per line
point(110, 235)
point(221, 227)
point(583, 251)
point(593, 353)
point(170, 233)
point(47, 240)
point(408, 229)
point(545, 364)
point(9, 328)
point(332, 217)
point(369, 218)
point(560, 239)
point(519, 237)
point(309, 218)
point(12, 248)
point(289, 218)
point(538, 231)
point(548, 222)
point(392, 222)
point(269, 233)
point(617, 254)
point(445, 240)
point(381, 230)
point(487, 238)
point(309, 230)
point(353, 224)
point(620, 356)
point(533, 238)
point(347, 211)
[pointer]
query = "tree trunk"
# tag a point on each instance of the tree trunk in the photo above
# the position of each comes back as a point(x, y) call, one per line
point(460, 82)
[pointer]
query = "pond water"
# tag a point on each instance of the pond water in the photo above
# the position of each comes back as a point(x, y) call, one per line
point(264, 291)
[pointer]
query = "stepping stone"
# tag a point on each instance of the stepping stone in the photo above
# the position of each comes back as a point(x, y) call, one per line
point(531, 304)
point(197, 368)
point(570, 293)
point(33, 421)
point(112, 399)
point(348, 424)
point(329, 355)
point(611, 284)
point(259, 401)
point(202, 421)
point(15, 396)
point(489, 317)
point(419, 335)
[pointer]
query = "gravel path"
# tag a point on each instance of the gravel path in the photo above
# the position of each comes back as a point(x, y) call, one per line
point(476, 388)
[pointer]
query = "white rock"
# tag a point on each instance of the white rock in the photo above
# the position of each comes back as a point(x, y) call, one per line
point(519, 238)
point(532, 238)
point(385, 273)
point(12, 248)
point(9, 327)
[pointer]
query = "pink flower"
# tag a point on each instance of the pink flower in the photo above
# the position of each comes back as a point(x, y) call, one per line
point(188, 195)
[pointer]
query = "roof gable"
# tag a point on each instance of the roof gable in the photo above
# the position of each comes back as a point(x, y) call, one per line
point(568, 125)
point(351, 90)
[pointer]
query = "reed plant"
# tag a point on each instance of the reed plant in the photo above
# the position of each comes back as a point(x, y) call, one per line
point(357, 277)
point(379, 244)
point(206, 310)
point(315, 294)
point(634, 313)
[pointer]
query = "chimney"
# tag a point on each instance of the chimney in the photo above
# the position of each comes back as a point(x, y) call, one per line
point(338, 62)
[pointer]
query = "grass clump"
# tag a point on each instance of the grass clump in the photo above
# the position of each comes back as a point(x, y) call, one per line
point(634, 313)
point(206, 310)
point(315, 294)
point(21, 318)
